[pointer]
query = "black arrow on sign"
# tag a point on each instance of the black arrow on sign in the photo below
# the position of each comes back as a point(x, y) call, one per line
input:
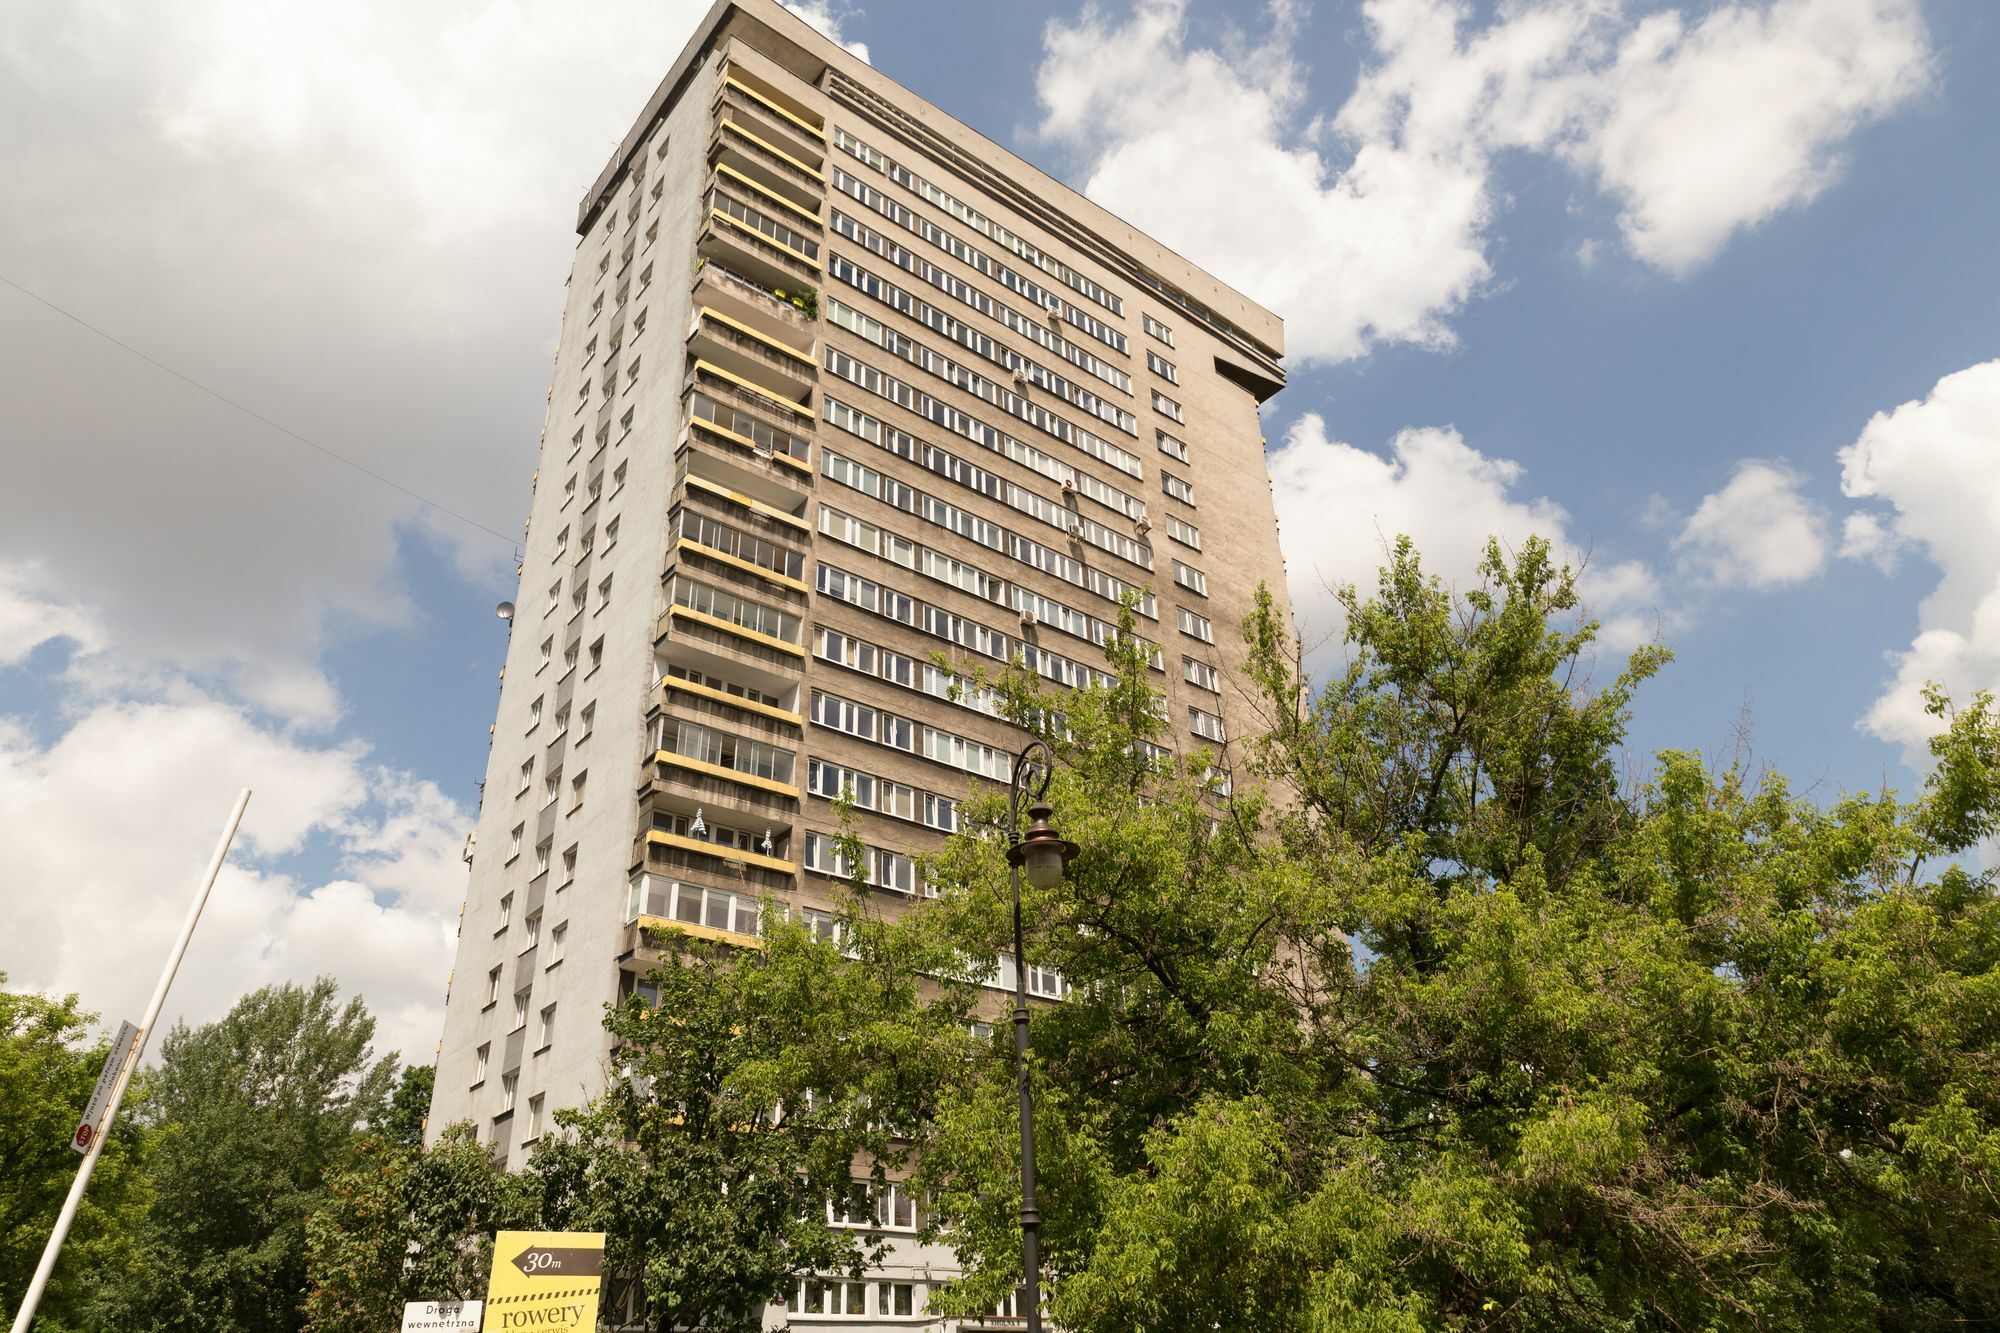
point(543, 1261)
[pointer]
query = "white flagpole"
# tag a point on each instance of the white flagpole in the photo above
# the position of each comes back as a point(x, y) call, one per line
point(26, 1314)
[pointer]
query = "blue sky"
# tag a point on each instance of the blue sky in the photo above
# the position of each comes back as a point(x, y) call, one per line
point(1631, 276)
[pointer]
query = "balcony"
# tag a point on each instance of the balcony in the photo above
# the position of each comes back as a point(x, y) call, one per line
point(659, 903)
point(777, 125)
point(754, 360)
point(771, 267)
point(740, 142)
point(745, 511)
point(754, 302)
point(725, 413)
point(716, 545)
point(697, 748)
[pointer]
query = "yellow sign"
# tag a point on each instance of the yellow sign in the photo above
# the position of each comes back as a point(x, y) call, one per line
point(544, 1282)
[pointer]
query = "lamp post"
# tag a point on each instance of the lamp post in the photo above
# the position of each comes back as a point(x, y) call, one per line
point(1043, 853)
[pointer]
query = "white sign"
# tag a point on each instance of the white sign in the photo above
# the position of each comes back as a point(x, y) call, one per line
point(431, 1316)
point(92, 1123)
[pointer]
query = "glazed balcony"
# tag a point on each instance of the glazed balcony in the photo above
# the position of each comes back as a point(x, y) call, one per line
point(753, 359)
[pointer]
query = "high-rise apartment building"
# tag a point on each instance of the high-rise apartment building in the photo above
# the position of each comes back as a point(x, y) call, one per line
point(841, 385)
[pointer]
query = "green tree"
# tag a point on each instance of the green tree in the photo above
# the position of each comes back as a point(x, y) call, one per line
point(754, 1083)
point(404, 1222)
point(251, 1113)
point(48, 1065)
point(410, 1106)
point(1427, 1017)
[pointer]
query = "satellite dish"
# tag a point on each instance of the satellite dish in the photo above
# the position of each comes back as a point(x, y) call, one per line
point(505, 610)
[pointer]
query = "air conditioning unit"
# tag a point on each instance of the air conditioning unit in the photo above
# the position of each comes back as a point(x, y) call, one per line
point(1069, 485)
point(1143, 526)
point(1021, 379)
point(1076, 528)
point(1028, 620)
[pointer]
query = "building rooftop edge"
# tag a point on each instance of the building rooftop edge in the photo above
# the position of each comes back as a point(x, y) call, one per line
point(1254, 324)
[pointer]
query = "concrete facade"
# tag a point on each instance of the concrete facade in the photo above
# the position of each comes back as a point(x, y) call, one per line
point(755, 523)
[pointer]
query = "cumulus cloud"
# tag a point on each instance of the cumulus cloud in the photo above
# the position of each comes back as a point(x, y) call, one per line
point(355, 220)
point(1758, 531)
point(105, 827)
point(1341, 507)
point(1932, 469)
point(1372, 225)
point(825, 21)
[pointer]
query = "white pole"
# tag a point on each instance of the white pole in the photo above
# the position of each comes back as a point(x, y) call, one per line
point(26, 1314)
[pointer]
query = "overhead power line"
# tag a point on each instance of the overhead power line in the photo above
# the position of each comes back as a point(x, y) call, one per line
point(257, 416)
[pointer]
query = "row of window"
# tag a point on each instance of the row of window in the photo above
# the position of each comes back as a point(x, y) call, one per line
point(973, 477)
point(979, 386)
point(900, 733)
point(703, 407)
point(769, 228)
point(694, 905)
point(953, 628)
point(1030, 327)
point(709, 600)
point(552, 784)
point(982, 224)
point(690, 525)
point(900, 669)
point(938, 622)
point(848, 1297)
point(881, 868)
point(884, 797)
point(1022, 368)
point(997, 442)
point(739, 754)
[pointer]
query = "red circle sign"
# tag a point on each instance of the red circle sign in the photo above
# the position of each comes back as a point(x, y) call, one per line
point(84, 1134)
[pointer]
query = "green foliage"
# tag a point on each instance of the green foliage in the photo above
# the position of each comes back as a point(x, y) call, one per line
point(406, 1223)
point(1443, 1023)
point(48, 1065)
point(409, 1106)
point(748, 1092)
point(251, 1114)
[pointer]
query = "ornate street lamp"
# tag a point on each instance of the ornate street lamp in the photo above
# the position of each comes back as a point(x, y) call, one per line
point(1043, 853)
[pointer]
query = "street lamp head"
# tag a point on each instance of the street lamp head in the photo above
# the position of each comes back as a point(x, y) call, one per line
point(505, 610)
point(1041, 852)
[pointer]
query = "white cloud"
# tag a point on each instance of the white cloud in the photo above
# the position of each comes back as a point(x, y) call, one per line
point(1758, 531)
point(820, 15)
point(30, 618)
point(1710, 127)
point(356, 220)
point(105, 827)
point(1934, 467)
point(1372, 225)
point(1341, 508)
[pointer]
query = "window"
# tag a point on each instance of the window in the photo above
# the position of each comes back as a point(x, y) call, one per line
point(1164, 405)
point(562, 714)
point(562, 541)
point(610, 538)
point(1177, 487)
point(535, 713)
point(894, 1298)
point(576, 790)
point(509, 1083)
point(532, 929)
point(514, 841)
point(527, 779)
point(1172, 447)
point(552, 785)
point(569, 665)
point(568, 865)
point(541, 856)
point(533, 1129)
point(589, 720)
point(479, 1059)
point(586, 541)
point(1197, 626)
point(569, 487)
point(1199, 673)
point(555, 595)
point(558, 942)
point(1190, 578)
point(548, 651)
point(1157, 329)
point(1184, 532)
point(1164, 368)
point(827, 1295)
point(597, 649)
point(493, 986)
point(578, 595)
point(618, 479)
point(1206, 725)
point(603, 597)
point(545, 1032)
point(895, 1208)
point(520, 1010)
